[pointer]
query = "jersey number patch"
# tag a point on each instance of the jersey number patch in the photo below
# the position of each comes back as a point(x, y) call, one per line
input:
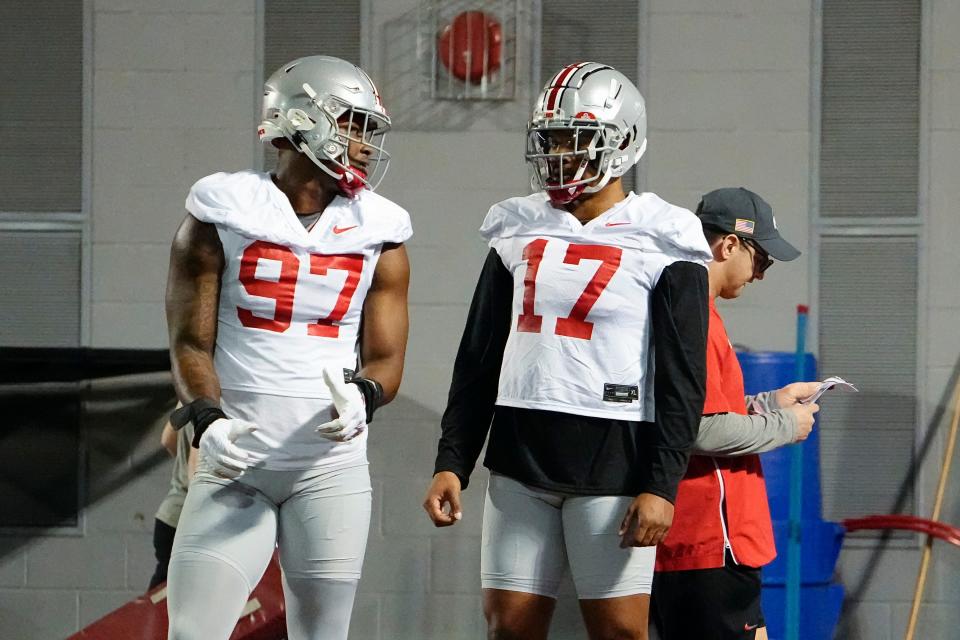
point(282, 290)
point(575, 325)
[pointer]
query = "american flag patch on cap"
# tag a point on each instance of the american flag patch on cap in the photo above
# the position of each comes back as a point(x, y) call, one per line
point(743, 226)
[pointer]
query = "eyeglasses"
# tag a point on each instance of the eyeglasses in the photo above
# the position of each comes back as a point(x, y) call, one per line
point(761, 259)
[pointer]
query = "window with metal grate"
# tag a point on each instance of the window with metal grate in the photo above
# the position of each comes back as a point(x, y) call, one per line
point(868, 259)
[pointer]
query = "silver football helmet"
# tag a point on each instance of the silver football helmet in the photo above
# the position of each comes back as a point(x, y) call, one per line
point(320, 104)
point(589, 125)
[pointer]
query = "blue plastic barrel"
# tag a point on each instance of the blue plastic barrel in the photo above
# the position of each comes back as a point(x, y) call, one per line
point(767, 371)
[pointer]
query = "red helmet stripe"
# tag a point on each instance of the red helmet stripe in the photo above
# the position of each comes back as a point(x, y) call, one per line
point(558, 82)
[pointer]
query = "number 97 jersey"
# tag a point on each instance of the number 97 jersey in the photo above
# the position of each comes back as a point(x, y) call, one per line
point(290, 298)
point(580, 338)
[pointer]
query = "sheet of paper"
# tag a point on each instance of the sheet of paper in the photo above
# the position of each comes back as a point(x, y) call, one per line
point(833, 382)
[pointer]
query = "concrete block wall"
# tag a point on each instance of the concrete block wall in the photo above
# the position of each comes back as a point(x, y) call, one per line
point(728, 99)
point(728, 91)
point(173, 99)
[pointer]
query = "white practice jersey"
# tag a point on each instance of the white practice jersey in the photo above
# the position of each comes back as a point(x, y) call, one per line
point(290, 304)
point(580, 338)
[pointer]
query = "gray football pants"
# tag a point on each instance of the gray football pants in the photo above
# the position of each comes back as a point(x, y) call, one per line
point(227, 534)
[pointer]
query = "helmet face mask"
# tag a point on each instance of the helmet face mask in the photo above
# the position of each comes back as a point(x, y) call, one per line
point(329, 110)
point(567, 159)
point(602, 118)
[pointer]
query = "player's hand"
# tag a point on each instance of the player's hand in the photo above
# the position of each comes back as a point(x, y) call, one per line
point(795, 392)
point(805, 416)
point(351, 418)
point(646, 522)
point(219, 453)
point(443, 491)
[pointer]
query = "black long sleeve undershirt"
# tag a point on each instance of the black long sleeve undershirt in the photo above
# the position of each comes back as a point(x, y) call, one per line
point(476, 372)
point(571, 453)
point(679, 313)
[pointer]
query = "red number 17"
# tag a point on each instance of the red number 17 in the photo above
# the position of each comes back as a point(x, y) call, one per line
point(575, 325)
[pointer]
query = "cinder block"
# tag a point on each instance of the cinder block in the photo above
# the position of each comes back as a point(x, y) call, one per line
point(455, 563)
point(141, 559)
point(865, 621)
point(942, 338)
point(729, 100)
point(223, 41)
point(134, 325)
point(130, 507)
point(736, 7)
point(113, 103)
point(365, 622)
point(444, 275)
point(129, 272)
point(215, 150)
point(429, 362)
point(13, 564)
point(77, 563)
point(404, 516)
point(935, 620)
point(446, 218)
point(770, 327)
point(775, 164)
point(221, 6)
point(219, 100)
point(396, 563)
point(432, 617)
point(944, 97)
point(139, 41)
point(937, 390)
point(38, 614)
point(944, 48)
point(163, 100)
point(943, 586)
point(403, 449)
point(140, 157)
point(435, 341)
point(426, 383)
point(737, 42)
point(879, 576)
point(139, 214)
point(470, 161)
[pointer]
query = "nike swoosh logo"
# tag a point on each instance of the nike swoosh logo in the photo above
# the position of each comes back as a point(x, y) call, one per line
point(615, 224)
point(750, 627)
point(339, 230)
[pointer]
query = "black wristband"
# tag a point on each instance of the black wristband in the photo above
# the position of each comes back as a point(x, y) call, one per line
point(202, 412)
point(372, 392)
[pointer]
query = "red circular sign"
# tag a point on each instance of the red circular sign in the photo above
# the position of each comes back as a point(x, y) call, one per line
point(470, 46)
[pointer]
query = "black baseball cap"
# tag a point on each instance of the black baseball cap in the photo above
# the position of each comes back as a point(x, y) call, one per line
point(743, 213)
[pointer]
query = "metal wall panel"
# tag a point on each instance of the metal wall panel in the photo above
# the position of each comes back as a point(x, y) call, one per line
point(42, 106)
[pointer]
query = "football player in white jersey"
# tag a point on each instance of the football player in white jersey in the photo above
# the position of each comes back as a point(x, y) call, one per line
point(287, 310)
point(585, 347)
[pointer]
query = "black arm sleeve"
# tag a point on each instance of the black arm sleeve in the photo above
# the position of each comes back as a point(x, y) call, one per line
point(679, 316)
point(476, 372)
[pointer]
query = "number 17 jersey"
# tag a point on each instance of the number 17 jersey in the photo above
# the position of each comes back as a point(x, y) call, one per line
point(580, 340)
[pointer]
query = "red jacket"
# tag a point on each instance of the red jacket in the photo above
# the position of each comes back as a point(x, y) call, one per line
point(721, 502)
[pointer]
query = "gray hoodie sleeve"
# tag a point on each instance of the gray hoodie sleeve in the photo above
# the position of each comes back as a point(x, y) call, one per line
point(732, 434)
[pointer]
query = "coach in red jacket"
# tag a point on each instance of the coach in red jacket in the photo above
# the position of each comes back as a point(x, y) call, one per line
point(707, 585)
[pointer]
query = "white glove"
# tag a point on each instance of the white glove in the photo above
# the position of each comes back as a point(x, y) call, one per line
point(218, 452)
point(351, 408)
